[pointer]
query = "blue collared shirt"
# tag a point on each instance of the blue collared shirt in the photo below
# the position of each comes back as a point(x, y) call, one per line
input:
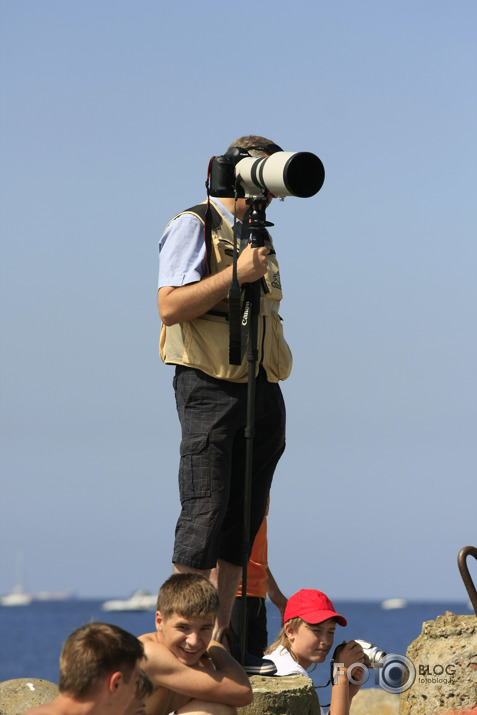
point(182, 249)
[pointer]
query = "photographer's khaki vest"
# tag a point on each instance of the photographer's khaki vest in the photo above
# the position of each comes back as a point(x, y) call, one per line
point(203, 343)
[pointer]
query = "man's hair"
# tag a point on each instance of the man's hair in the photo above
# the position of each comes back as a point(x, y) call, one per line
point(187, 594)
point(94, 651)
point(255, 145)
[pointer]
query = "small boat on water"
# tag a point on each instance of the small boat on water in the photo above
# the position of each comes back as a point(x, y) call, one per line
point(17, 597)
point(20, 597)
point(140, 601)
point(391, 603)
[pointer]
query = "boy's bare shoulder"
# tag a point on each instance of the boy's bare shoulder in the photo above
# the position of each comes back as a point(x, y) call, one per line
point(148, 637)
point(153, 648)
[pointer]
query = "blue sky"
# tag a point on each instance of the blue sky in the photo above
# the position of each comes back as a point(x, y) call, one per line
point(110, 111)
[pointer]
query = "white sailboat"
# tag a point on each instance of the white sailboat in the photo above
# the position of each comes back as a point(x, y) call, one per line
point(17, 597)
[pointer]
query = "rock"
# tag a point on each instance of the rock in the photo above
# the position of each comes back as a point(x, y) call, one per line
point(18, 696)
point(445, 659)
point(279, 696)
point(373, 701)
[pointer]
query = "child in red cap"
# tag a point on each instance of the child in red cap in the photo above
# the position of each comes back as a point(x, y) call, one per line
point(306, 638)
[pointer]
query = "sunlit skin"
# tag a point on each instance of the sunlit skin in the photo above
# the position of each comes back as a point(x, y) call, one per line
point(186, 637)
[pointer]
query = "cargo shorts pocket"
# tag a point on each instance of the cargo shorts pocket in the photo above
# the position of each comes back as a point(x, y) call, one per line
point(194, 470)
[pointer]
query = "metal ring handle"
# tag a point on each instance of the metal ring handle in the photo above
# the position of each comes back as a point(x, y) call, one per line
point(464, 572)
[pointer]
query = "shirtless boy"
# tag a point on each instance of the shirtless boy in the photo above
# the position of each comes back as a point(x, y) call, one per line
point(190, 672)
point(99, 672)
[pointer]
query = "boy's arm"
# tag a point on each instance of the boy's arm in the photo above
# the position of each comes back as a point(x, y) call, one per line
point(227, 684)
point(343, 690)
point(340, 696)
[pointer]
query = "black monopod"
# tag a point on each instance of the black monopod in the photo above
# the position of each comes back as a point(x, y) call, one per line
point(242, 325)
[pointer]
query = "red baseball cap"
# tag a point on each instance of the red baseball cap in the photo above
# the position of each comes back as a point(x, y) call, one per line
point(311, 606)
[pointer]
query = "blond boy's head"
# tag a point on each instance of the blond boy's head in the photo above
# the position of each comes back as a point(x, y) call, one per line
point(187, 595)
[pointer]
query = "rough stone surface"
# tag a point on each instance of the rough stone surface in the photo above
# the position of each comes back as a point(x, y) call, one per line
point(282, 696)
point(374, 701)
point(445, 658)
point(18, 696)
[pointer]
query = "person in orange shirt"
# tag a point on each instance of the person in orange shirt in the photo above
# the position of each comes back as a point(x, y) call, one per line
point(260, 583)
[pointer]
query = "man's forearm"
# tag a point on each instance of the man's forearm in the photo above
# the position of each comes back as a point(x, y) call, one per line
point(178, 305)
point(183, 303)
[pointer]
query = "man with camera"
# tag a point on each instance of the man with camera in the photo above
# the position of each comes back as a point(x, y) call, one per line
point(195, 273)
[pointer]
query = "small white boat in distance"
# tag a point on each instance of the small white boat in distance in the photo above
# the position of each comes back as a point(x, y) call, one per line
point(17, 597)
point(139, 601)
point(390, 603)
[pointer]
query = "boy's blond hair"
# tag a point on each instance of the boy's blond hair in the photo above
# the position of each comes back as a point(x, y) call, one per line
point(282, 639)
point(187, 594)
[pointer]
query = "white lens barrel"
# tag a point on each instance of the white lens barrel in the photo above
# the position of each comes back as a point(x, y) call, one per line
point(284, 173)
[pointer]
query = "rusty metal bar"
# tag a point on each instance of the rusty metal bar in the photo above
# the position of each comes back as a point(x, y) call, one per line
point(464, 572)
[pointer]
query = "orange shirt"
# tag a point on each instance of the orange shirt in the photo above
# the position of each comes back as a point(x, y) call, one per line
point(257, 565)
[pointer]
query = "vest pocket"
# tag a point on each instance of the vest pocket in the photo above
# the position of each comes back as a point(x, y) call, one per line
point(194, 468)
point(278, 358)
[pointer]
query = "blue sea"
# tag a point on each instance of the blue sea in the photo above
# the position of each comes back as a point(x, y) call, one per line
point(31, 636)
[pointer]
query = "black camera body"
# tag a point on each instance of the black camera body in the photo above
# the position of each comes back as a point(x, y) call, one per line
point(222, 174)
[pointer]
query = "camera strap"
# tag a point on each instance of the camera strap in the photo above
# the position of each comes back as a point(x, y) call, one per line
point(211, 219)
point(238, 316)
